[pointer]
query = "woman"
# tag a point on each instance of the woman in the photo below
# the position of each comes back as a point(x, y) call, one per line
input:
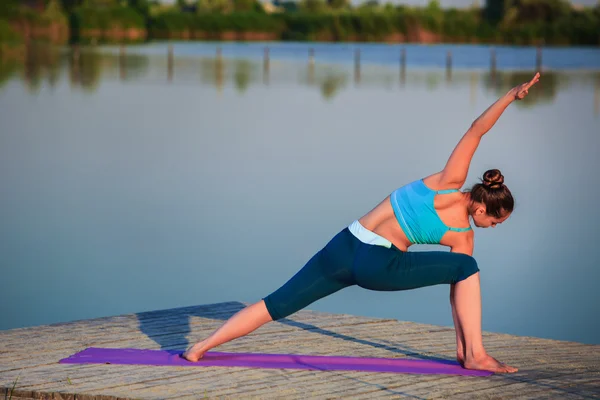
point(372, 251)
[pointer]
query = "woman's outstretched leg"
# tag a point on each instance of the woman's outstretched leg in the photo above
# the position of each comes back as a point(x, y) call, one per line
point(467, 302)
point(325, 273)
point(240, 324)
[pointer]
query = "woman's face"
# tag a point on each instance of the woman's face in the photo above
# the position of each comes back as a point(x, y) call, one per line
point(483, 220)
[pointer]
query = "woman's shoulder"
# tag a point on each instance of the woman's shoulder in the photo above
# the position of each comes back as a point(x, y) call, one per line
point(459, 239)
point(436, 182)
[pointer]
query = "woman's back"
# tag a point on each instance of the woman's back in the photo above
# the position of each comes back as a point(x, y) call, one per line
point(418, 213)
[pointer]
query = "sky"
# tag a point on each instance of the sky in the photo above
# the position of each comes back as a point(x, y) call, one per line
point(466, 3)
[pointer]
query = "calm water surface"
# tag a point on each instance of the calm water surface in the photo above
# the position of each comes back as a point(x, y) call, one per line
point(131, 184)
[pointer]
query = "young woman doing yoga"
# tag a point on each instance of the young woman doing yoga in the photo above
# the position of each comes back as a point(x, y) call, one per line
point(372, 251)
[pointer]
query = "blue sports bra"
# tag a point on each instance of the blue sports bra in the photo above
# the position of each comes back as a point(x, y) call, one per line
point(414, 210)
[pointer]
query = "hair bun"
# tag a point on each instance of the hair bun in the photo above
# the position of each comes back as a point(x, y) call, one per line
point(493, 179)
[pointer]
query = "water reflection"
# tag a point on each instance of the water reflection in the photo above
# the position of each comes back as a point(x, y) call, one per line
point(101, 200)
point(88, 68)
point(243, 69)
point(545, 93)
point(38, 65)
point(85, 70)
point(7, 70)
point(597, 94)
point(331, 85)
point(41, 64)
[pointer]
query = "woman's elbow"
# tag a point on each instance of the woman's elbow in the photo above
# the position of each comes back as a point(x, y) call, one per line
point(477, 129)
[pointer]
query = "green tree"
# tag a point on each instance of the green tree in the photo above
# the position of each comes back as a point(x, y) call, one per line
point(432, 17)
point(218, 6)
point(314, 6)
point(389, 8)
point(338, 4)
point(101, 3)
point(8, 8)
point(70, 5)
point(511, 12)
point(54, 11)
point(434, 7)
point(286, 6)
point(183, 4)
point(141, 6)
point(523, 11)
point(495, 10)
point(8, 34)
point(369, 5)
point(245, 5)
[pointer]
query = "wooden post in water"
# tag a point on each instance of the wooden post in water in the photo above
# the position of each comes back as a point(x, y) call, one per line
point(75, 62)
point(122, 69)
point(76, 52)
point(538, 58)
point(29, 64)
point(473, 87)
point(597, 97)
point(219, 70)
point(170, 62)
point(402, 66)
point(357, 65)
point(311, 66)
point(493, 64)
point(266, 62)
point(449, 66)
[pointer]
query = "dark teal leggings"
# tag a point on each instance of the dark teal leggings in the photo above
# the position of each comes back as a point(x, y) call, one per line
point(346, 261)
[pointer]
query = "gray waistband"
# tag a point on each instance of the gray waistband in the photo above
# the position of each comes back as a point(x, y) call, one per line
point(368, 237)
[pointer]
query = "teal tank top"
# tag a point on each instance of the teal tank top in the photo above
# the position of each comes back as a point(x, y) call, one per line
point(414, 210)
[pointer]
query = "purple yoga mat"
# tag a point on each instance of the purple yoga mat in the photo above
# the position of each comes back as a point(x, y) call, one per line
point(94, 355)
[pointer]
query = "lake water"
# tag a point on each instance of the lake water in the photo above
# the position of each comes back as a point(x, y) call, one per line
point(131, 184)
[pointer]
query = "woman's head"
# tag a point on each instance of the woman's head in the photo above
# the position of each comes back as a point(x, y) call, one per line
point(491, 202)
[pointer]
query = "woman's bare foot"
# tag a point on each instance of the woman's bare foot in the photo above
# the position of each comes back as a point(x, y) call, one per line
point(194, 353)
point(488, 363)
point(460, 357)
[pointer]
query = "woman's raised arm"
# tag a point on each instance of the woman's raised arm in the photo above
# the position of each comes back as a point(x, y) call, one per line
point(455, 172)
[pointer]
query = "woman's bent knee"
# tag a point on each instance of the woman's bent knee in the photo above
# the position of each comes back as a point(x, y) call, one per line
point(468, 267)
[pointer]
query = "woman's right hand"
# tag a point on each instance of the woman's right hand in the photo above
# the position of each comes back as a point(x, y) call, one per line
point(519, 92)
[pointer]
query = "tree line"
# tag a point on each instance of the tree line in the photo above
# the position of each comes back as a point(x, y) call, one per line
point(519, 22)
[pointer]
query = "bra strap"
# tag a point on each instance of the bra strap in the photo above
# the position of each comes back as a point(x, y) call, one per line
point(446, 191)
point(460, 229)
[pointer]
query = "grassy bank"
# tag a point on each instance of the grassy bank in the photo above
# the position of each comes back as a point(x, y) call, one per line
point(114, 24)
point(397, 25)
